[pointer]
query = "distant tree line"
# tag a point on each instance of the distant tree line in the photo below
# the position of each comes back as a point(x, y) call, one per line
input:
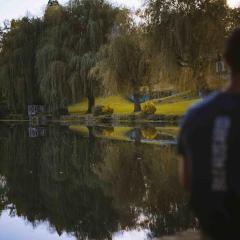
point(91, 48)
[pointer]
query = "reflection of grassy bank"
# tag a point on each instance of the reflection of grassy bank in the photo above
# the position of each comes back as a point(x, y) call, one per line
point(125, 133)
point(80, 129)
point(122, 106)
point(171, 130)
point(117, 133)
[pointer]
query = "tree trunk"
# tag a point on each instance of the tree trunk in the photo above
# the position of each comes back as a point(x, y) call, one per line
point(91, 103)
point(91, 135)
point(91, 147)
point(138, 135)
point(137, 104)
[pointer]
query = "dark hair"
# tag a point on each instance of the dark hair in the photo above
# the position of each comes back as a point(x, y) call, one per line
point(232, 51)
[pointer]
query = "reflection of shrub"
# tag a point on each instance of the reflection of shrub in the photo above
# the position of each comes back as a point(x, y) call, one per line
point(149, 108)
point(102, 110)
point(105, 131)
point(149, 133)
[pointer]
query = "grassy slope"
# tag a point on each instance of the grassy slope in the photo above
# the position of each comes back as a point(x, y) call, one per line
point(178, 108)
point(123, 106)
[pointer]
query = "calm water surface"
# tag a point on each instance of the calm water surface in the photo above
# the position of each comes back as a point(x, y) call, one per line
point(76, 182)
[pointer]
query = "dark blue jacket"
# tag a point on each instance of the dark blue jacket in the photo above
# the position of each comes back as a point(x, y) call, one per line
point(210, 140)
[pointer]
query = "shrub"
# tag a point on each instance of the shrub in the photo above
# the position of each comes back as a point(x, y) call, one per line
point(149, 108)
point(105, 131)
point(102, 110)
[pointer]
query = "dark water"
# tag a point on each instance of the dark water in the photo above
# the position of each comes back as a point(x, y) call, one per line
point(56, 183)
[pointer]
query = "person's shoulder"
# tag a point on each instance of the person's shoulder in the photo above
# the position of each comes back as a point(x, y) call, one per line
point(203, 108)
point(196, 115)
point(206, 103)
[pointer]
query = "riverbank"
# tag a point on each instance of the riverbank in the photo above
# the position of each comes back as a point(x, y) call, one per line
point(89, 119)
point(170, 110)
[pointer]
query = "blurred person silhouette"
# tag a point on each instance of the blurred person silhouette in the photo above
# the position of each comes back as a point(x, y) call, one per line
point(209, 141)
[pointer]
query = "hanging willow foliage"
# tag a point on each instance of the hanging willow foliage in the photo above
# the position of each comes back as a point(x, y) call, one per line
point(54, 86)
point(126, 63)
point(17, 60)
point(188, 36)
point(75, 71)
point(88, 61)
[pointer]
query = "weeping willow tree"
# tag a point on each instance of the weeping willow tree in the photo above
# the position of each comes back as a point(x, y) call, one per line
point(52, 60)
point(92, 22)
point(89, 81)
point(187, 37)
point(123, 64)
point(70, 41)
point(127, 64)
point(17, 64)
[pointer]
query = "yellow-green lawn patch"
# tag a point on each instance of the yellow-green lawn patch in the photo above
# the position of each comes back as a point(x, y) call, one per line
point(123, 106)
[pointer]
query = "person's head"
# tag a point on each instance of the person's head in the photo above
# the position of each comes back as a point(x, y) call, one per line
point(232, 52)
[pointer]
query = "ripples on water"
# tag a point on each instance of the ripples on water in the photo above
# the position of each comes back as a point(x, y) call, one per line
point(60, 182)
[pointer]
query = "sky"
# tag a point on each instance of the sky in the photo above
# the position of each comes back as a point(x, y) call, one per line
point(18, 8)
point(17, 228)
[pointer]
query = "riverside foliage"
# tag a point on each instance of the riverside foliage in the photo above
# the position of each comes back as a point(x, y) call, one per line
point(90, 48)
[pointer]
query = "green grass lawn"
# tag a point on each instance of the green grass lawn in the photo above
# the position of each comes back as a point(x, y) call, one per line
point(123, 106)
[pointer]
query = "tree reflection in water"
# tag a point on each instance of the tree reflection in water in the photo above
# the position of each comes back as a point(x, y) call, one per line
point(90, 187)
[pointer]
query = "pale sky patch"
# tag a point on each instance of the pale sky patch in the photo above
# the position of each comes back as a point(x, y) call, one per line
point(10, 9)
point(234, 3)
point(132, 235)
